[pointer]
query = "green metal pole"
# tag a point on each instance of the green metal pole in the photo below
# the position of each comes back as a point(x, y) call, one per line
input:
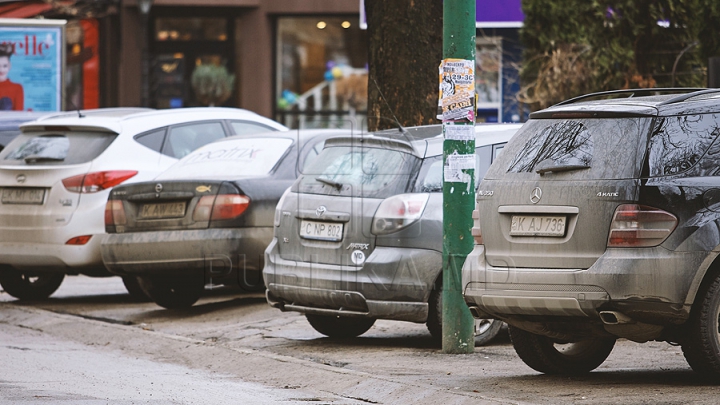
point(459, 170)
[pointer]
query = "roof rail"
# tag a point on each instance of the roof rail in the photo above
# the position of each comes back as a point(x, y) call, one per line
point(684, 97)
point(637, 92)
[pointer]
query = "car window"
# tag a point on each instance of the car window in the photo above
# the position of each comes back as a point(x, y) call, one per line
point(246, 127)
point(358, 171)
point(599, 148)
point(685, 145)
point(232, 158)
point(183, 139)
point(313, 151)
point(431, 173)
point(56, 148)
point(153, 140)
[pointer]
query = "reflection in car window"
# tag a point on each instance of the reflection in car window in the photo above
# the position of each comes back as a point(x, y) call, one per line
point(565, 143)
point(368, 171)
point(619, 145)
point(186, 138)
point(678, 144)
point(54, 147)
point(244, 127)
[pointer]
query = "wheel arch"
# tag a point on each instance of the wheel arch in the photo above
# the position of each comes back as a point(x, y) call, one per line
point(709, 269)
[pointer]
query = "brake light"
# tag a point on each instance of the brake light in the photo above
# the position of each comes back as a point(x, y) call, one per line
point(79, 240)
point(223, 206)
point(397, 212)
point(476, 233)
point(97, 181)
point(636, 225)
point(115, 213)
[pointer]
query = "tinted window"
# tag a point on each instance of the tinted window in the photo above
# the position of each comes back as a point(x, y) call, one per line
point(364, 172)
point(56, 149)
point(245, 127)
point(685, 145)
point(153, 140)
point(610, 148)
point(233, 158)
point(184, 139)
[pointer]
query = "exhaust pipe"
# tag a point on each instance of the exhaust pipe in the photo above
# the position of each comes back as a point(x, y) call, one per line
point(615, 318)
point(477, 313)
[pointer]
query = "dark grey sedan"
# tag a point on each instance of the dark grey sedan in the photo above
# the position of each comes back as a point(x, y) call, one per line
point(207, 219)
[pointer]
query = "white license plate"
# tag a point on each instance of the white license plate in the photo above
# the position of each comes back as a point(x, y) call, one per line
point(331, 231)
point(23, 195)
point(163, 210)
point(534, 225)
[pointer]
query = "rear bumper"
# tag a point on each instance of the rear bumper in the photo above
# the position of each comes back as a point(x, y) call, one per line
point(218, 253)
point(393, 283)
point(55, 257)
point(647, 284)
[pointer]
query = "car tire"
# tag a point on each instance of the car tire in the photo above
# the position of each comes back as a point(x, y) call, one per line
point(485, 329)
point(339, 326)
point(172, 292)
point(702, 344)
point(132, 285)
point(23, 286)
point(541, 354)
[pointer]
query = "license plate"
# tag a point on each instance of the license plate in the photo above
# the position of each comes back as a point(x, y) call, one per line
point(23, 195)
point(321, 230)
point(534, 225)
point(163, 210)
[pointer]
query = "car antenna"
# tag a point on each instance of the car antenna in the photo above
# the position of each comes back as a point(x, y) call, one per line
point(397, 122)
point(75, 108)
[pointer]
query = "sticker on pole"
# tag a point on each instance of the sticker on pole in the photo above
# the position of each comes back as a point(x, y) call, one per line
point(462, 132)
point(454, 166)
point(457, 90)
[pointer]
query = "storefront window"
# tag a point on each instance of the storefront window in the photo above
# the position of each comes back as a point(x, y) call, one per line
point(321, 70)
point(488, 71)
point(191, 29)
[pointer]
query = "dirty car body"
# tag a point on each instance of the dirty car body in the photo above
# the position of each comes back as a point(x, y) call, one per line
point(600, 221)
point(359, 235)
point(207, 219)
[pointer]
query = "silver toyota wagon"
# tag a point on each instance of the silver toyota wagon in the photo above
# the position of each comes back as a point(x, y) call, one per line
point(358, 237)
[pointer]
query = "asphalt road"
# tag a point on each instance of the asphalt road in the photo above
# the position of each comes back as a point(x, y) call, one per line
point(90, 343)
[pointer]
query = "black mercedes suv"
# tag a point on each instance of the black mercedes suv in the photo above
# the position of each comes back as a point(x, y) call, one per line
point(601, 220)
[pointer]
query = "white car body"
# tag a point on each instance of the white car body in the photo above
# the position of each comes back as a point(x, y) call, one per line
point(34, 236)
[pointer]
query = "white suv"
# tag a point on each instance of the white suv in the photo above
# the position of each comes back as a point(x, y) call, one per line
point(56, 176)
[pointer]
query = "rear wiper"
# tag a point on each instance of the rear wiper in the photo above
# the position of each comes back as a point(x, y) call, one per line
point(549, 165)
point(38, 159)
point(330, 182)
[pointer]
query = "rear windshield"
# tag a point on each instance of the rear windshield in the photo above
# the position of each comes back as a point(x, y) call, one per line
point(599, 148)
point(229, 159)
point(55, 149)
point(364, 172)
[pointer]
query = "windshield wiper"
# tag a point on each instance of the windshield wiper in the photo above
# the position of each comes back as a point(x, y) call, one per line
point(38, 159)
point(559, 168)
point(329, 182)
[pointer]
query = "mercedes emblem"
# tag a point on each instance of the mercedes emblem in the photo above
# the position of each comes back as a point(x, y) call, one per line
point(535, 195)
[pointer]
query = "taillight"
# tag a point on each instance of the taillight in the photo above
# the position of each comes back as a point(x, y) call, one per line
point(115, 213)
point(222, 206)
point(476, 233)
point(636, 225)
point(398, 212)
point(97, 181)
point(79, 240)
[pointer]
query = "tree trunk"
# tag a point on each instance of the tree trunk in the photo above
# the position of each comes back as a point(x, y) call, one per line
point(405, 50)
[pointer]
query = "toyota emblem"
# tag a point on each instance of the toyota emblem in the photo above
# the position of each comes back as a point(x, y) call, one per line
point(535, 195)
point(320, 211)
point(21, 178)
point(158, 188)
